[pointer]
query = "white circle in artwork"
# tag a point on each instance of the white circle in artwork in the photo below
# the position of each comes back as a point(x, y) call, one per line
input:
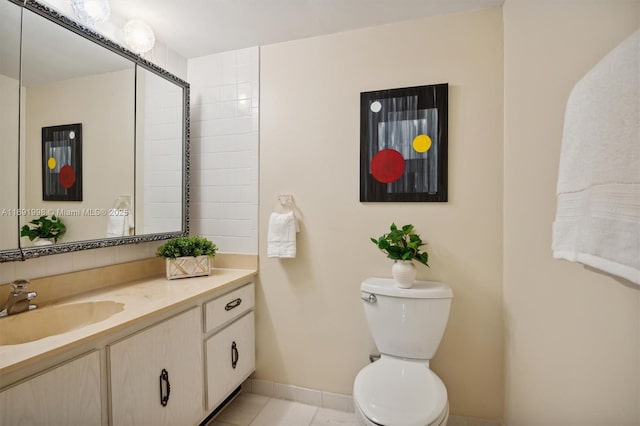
point(376, 106)
point(72, 135)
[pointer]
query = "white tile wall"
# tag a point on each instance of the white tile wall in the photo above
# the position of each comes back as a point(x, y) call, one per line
point(162, 155)
point(224, 149)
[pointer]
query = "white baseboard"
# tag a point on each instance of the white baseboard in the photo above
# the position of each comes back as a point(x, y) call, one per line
point(471, 421)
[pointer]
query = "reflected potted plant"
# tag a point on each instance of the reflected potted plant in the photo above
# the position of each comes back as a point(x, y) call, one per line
point(187, 256)
point(403, 246)
point(44, 230)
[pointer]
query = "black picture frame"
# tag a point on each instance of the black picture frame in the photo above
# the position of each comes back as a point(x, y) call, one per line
point(404, 144)
point(62, 163)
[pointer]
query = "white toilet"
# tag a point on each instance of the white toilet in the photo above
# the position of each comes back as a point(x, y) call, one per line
point(407, 325)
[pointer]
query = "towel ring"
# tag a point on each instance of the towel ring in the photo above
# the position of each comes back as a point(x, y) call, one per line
point(285, 199)
point(122, 202)
point(284, 203)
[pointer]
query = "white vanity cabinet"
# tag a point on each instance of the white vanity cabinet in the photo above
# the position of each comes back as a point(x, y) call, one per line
point(65, 395)
point(156, 375)
point(230, 349)
point(172, 364)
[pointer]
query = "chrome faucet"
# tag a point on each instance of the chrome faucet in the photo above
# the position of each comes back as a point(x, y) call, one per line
point(19, 299)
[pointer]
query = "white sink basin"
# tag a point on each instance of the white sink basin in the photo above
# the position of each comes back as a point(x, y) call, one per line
point(52, 320)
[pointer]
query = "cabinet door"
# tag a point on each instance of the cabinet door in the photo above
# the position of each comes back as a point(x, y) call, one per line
point(230, 359)
point(137, 364)
point(67, 395)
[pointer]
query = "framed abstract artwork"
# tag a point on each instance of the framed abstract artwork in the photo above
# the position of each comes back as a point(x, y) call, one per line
point(403, 144)
point(62, 163)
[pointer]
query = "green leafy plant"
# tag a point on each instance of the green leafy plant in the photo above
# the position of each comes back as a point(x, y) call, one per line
point(44, 228)
point(187, 246)
point(402, 244)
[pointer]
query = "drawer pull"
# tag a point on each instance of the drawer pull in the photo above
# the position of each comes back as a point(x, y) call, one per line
point(166, 389)
point(234, 355)
point(233, 304)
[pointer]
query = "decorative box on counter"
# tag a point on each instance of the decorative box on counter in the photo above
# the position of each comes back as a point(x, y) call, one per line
point(188, 266)
point(187, 256)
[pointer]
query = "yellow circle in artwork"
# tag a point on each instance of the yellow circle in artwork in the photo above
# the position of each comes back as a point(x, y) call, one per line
point(51, 163)
point(422, 143)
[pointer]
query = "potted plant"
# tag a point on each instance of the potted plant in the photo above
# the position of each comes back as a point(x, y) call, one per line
point(187, 256)
point(403, 246)
point(44, 230)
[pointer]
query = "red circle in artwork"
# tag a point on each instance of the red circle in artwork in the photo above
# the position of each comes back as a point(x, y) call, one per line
point(387, 166)
point(67, 176)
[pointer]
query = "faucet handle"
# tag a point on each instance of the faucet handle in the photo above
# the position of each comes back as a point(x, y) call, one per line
point(19, 286)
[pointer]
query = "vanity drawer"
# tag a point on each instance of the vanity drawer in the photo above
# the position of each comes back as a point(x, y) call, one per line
point(229, 306)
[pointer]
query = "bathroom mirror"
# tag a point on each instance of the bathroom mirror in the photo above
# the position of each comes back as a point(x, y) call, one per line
point(103, 139)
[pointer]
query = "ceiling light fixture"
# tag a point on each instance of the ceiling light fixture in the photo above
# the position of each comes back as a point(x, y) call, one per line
point(138, 36)
point(91, 12)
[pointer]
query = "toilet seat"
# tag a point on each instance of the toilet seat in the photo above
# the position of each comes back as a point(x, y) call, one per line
point(400, 393)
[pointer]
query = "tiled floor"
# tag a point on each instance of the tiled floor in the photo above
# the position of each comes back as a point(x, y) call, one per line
point(250, 409)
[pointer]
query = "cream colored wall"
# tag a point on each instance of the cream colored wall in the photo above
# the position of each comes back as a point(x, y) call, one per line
point(311, 329)
point(107, 145)
point(572, 334)
point(9, 129)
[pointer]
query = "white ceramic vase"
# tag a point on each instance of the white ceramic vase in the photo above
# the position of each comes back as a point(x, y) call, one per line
point(38, 242)
point(404, 273)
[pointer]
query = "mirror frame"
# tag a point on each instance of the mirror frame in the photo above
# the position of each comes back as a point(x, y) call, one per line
point(64, 21)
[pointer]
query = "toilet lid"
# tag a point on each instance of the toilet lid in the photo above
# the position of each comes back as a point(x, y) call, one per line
point(399, 393)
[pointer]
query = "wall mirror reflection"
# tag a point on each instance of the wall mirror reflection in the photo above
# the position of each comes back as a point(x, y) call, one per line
point(70, 80)
point(159, 154)
point(92, 133)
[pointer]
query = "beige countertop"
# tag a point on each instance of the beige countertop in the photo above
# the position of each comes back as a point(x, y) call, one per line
point(142, 299)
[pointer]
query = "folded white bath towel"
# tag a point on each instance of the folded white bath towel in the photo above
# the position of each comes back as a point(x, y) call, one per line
point(281, 237)
point(598, 213)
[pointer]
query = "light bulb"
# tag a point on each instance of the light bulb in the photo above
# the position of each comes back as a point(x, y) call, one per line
point(138, 36)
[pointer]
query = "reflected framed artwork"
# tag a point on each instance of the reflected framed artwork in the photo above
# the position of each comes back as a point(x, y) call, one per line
point(403, 144)
point(62, 163)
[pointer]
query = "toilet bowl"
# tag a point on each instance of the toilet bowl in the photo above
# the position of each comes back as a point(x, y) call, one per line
point(407, 325)
point(400, 392)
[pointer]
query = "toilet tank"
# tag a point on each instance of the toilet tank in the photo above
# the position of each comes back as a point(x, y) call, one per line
point(406, 322)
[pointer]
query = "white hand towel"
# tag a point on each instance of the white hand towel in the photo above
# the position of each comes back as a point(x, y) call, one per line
point(598, 212)
point(120, 223)
point(116, 225)
point(281, 237)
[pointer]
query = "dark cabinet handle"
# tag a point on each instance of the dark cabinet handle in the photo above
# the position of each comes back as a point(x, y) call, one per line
point(234, 355)
point(233, 304)
point(165, 387)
